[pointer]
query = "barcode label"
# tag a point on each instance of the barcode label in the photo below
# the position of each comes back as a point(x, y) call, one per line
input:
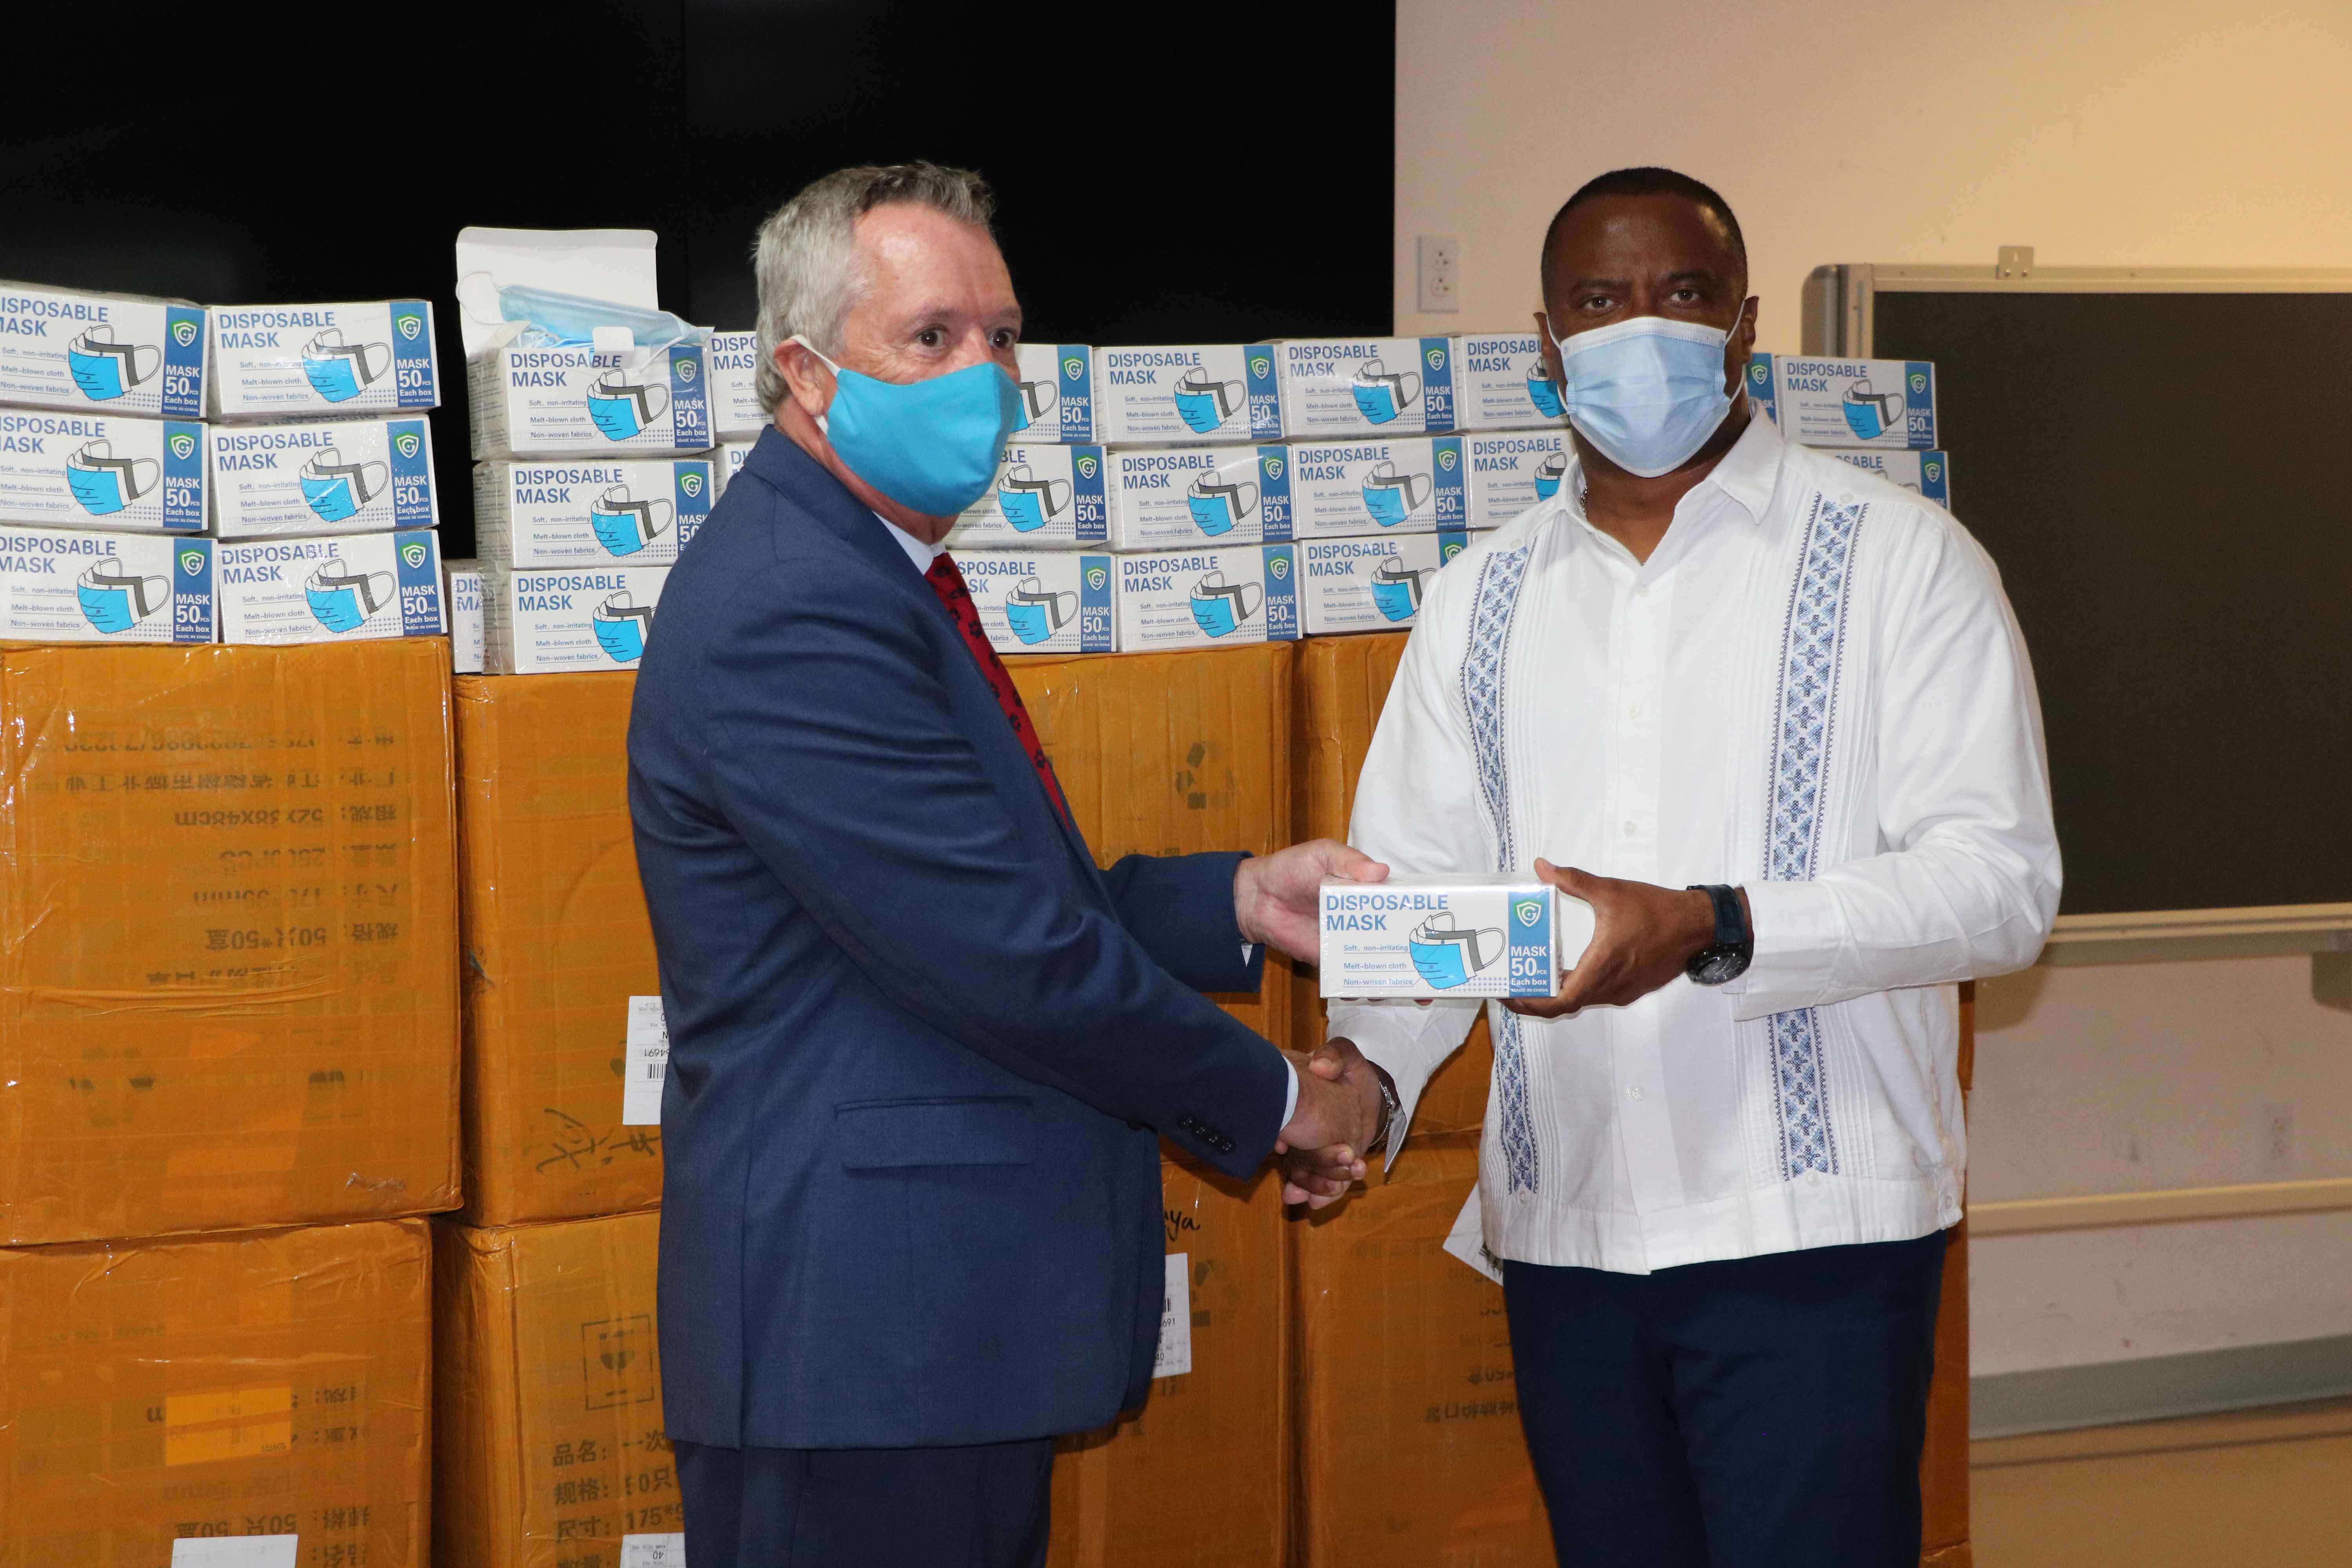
point(1175, 1320)
point(645, 1064)
point(235, 1552)
point(653, 1551)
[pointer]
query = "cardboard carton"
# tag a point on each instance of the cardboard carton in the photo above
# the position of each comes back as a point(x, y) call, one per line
point(228, 981)
point(1043, 600)
point(1207, 597)
point(267, 1384)
point(557, 942)
point(85, 584)
point(548, 1446)
point(89, 470)
point(352, 587)
point(101, 353)
point(343, 475)
point(313, 361)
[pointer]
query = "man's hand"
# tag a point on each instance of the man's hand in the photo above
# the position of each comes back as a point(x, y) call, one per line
point(1642, 937)
point(1276, 897)
point(1321, 1152)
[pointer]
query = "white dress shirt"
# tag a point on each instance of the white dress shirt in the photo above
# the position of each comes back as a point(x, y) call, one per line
point(1813, 688)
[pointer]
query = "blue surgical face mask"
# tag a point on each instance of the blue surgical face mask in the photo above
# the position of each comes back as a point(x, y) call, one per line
point(1036, 615)
point(113, 601)
point(1446, 957)
point(624, 525)
point(104, 369)
point(1217, 507)
point(1549, 473)
point(1381, 397)
point(337, 490)
point(556, 320)
point(932, 446)
point(621, 626)
point(105, 483)
point(1205, 404)
point(623, 408)
point(1647, 393)
point(1396, 590)
point(1870, 414)
point(1219, 607)
point(341, 600)
point(1028, 502)
point(341, 371)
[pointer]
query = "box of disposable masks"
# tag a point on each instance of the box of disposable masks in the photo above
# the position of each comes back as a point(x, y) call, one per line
point(94, 470)
point(1043, 600)
point(1333, 387)
point(1409, 484)
point(568, 619)
point(461, 586)
point(1500, 383)
point(1164, 498)
point(1847, 402)
point(347, 587)
point(104, 354)
point(60, 584)
point(1492, 935)
point(734, 365)
point(1186, 394)
point(1926, 474)
point(1511, 471)
point(293, 361)
point(1046, 497)
point(727, 460)
point(1368, 584)
point(573, 402)
point(1058, 393)
point(638, 512)
point(343, 475)
point(1207, 598)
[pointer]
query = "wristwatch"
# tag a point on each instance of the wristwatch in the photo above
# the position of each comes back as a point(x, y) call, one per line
point(1728, 956)
point(1390, 1105)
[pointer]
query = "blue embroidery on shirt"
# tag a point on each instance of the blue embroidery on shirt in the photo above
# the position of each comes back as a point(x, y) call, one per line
point(1815, 648)
point(1482, 696)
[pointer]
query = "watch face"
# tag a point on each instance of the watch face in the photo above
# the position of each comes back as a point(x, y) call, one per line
point(1718, 965)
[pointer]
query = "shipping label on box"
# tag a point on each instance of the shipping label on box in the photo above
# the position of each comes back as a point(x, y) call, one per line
point(1510, 473)
point(641, 510)
point(60, 584)
point(1369, 584)
point(581, 618)
point(1207, 598)
point(570, 402)
point(89, 470)
point(462, 583)
point(1046, 497)
point(1502, 383)
point(1449, 936)
point(1847, 402)
point(349, 587)
point(1925, 474)
point(345, 476)
point(1044, 602)
point(1333, 387)
point(1340, 489)
point(1187, 394)
point(106, 354)
point(1166, 497)
point(280, 362)
point(1058, 393)
point(733, 359)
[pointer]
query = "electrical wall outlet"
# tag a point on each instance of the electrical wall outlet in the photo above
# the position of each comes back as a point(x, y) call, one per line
point(1440, 256)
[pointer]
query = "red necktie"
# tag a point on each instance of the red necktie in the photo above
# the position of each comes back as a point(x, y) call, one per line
point(945, 579)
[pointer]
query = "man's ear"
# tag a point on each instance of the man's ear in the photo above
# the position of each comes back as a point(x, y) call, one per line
point(807, 382)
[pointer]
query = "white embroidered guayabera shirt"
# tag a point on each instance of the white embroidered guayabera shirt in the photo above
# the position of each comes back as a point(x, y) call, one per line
point(1813, 688)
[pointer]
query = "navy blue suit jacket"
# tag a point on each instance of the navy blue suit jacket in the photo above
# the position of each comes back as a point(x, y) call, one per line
point(922, 1049)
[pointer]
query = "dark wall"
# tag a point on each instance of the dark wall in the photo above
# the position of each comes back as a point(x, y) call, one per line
point(1164, 173)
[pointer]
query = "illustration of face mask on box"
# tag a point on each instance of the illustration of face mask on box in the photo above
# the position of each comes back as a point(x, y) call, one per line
point(336, 489)
point(624, 524)
point(621, 627)
point(1870, 414)
point(1029, 502)
point(105, 368)
point(1390, 497)
point(1446, 957)
point(620, 407)
point(1381, 397)
point(1549, 473)
point(114, 601)
point(1217, 506)
point(1036, 401)
point(1396, 589)
point(104, 482)
point(1205, 403)
point(339, 371)
point(1543, 392)
point(1035, 613)
point(341, 599)
point(1219, 607)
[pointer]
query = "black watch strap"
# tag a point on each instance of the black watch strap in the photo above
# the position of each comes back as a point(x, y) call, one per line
point(1728, 956)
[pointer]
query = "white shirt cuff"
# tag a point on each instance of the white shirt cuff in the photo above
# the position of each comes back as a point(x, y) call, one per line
point(1290, 1099)
point(1798, 934)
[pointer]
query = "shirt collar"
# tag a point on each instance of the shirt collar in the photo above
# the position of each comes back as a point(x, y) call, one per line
point(1747, 473)
point(920, 553)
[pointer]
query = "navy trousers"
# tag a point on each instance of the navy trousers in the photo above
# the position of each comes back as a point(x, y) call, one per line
point(982, 1507)
point(1765, 1411)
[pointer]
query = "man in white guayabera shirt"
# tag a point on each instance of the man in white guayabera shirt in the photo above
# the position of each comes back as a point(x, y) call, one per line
point(1772, 717)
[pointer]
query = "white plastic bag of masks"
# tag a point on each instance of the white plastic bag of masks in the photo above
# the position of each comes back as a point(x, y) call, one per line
point(1927, 475)
point(1046, 496)
point(1043, 600)
point(1207, 598)
point(1186, 394)
point(461, 583)
point(1369, 584)
point(1501, 384)
point(1846, 402)
point(1449, 936)
point(1334, 387)
point(636, 512)
point(347, 587)
point(1166, 497)
point(733, 359)
point(343, 475)
point(578, 402)
point(569, 620)
point(89, 470)
point(1339, 490)
point(101, 353)
point(61, 584)
point(293, 361)
point(1512, 471)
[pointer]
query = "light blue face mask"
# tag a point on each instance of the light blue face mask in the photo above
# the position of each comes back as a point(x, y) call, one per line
point(102, 482)
point(1389, 497)
point(104, 369)
point(1028, 503)
point(1220, 607)
point(1647, 393)
point(341, 600)
point(113, 601)
point(1541, 392)
point(622, 408)
point(1379, 396)
point(624, 525)
point(622, 624)
point(339, 371)
point(1217, 507)
point(1445, 957)
point(1870, 414)
point(1549, 473)
point(1036, 615)
point(932, 446)
point(1396, 590)
point(336, 490)
point(1205, 404)
point(557, 319)
point(1037, 398)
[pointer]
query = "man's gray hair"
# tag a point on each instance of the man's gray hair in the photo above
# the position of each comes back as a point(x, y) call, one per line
point(807, 257)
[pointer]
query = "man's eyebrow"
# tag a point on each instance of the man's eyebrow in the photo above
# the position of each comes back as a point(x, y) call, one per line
point(1601, 283)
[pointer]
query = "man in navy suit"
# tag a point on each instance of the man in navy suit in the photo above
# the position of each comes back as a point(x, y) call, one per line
point(922, 1051)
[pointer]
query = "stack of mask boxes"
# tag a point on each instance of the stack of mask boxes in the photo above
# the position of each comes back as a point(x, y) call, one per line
point(1878, 414)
